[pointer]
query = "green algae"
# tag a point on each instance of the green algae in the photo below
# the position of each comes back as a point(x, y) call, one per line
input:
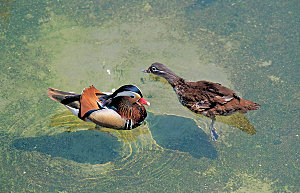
point(70, 45)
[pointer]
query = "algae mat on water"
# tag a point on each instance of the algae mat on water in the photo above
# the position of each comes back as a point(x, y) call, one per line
point(73, 44)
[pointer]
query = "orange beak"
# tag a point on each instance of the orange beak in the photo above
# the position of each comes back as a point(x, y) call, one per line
point(146, 70)
point(144, 101)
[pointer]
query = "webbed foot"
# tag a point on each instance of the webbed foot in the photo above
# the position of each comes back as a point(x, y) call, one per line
point(214, 134)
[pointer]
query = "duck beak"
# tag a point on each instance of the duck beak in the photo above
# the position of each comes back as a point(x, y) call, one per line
point(146, 70)
point(144, 101)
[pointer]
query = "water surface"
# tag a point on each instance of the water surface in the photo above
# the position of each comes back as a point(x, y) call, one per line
point(249, 46)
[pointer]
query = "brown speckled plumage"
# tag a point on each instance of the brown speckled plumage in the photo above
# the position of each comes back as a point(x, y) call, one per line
point(211, 99)
point(204, 97)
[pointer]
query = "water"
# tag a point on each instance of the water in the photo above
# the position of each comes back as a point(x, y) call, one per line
point(249, 46)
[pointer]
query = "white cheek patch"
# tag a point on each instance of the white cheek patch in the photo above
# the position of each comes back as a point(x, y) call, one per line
point(157, 71)
point(129, 94)
point(125, 93)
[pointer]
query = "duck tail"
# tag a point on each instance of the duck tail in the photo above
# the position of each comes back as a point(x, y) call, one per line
point(58, 95)
point(249, 105)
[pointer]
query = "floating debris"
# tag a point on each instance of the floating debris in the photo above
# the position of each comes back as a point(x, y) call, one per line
point(147, 7)
point(265, 63)
point(275, 79)
point(29, 16)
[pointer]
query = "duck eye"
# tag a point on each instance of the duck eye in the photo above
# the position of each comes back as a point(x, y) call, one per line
point(154, 69)
point(132, 96)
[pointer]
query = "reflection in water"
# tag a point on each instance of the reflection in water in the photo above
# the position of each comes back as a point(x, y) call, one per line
point(68, 120)
point(83, 147)
point(239, 121)
point(72, 123)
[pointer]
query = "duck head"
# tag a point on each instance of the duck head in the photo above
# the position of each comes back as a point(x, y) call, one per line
point(131, 93)
point(158, 69)
point(161, 70)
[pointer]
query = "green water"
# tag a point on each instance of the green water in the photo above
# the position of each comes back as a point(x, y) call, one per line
point(249, 46)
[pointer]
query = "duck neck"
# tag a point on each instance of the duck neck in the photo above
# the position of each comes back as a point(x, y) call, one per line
point(172, 78)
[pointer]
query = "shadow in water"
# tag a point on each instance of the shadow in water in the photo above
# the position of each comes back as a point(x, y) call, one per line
point(182, 134)
point(81, 146)
point(104, 145)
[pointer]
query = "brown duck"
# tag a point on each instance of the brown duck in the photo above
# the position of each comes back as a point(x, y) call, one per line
point(122, 109)
point(204, 97)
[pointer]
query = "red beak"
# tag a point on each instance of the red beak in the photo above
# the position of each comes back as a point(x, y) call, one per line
point(143, 101)
point(146, 70)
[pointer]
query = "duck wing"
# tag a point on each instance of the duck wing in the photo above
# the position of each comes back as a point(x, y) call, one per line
point(216, 92)
point(89, 100)
point(203, 95)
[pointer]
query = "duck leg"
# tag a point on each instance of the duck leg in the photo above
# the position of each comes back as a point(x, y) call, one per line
point(213, 132)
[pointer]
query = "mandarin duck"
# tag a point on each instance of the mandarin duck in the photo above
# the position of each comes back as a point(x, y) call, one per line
point(204, 97)
point(122, 109)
